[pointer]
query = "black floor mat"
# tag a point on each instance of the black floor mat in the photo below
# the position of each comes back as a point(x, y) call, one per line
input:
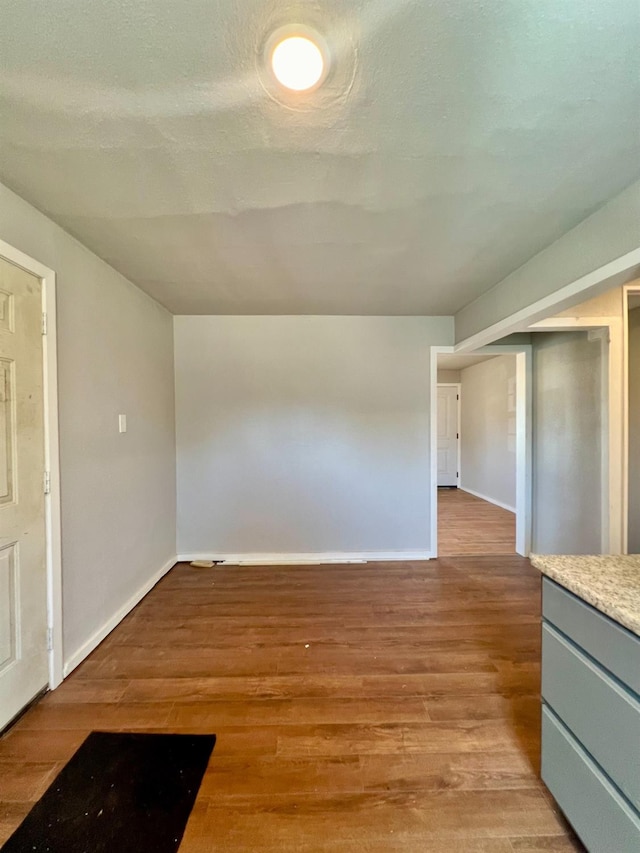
point(120, 793)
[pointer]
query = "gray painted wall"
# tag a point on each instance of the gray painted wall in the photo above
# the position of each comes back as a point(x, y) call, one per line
point(115, 352)
point(567, 444)
point(634, 431)
point(488, 442)
point(304, 434)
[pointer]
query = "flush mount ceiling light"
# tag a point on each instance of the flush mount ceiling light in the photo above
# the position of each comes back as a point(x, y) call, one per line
point(297, 63)
point(298, 58)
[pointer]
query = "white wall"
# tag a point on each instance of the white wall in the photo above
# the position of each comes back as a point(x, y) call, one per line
point(634, 431)
point(487, 429)
point(567, 444)
point(304, 434)
point(449, 376)
point(115, 351)
point(608, 304)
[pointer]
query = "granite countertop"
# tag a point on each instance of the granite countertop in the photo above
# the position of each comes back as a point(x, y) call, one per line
point(609, 583)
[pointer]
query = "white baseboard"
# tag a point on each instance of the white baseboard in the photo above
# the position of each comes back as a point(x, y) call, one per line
point(321, 558)
point(94, 641)
point(487, 498)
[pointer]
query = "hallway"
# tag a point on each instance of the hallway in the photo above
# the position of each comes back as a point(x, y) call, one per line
point(469, 525)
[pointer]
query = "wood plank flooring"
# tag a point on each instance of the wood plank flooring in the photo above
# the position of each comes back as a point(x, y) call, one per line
point(469, 525)
point(378, 708)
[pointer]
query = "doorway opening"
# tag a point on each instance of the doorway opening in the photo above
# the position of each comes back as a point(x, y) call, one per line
point(481, 451)
point(579, 493)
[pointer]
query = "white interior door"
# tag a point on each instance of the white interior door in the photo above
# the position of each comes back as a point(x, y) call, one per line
point(447, 435)
point(23, 579)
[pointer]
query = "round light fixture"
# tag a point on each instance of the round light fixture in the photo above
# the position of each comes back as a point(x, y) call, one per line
point(298, 62)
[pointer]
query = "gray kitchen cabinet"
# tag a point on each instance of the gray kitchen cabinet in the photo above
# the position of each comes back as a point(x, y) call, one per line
point(591, 720)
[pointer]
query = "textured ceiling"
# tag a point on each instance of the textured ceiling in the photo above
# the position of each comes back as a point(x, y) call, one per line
point(452, 141)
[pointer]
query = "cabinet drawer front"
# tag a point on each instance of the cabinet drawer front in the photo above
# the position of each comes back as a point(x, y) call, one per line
point(597, 812)
point(610, 644)
point(602, 715)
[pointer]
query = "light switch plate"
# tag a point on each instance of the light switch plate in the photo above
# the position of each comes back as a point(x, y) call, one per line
point(122, 423)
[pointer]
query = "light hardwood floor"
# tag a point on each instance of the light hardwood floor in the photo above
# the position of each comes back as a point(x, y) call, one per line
point(378, 708)
point(469, 525)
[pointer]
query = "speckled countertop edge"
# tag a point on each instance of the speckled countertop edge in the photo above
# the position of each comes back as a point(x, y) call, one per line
point(611, 584)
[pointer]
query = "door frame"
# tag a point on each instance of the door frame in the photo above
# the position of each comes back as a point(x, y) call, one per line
point(457, 385)
point(524, 473)
point(53, 524)
point(633, 288)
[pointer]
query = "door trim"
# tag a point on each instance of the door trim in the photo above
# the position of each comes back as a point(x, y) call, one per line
point(524, 374)
point(53, 527)
point(632, 289)
point(457, 385)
